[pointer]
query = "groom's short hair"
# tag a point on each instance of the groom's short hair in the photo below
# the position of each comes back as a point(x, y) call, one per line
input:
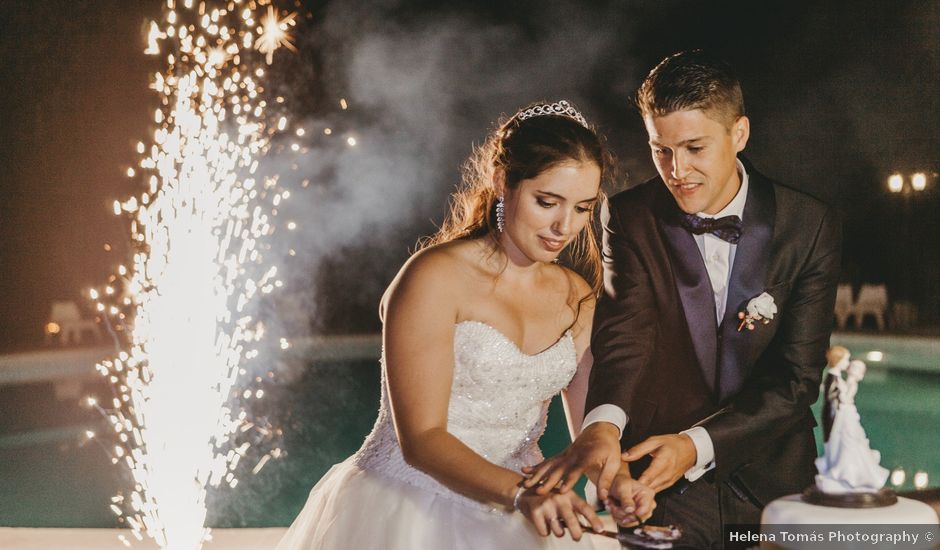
point(692, 80)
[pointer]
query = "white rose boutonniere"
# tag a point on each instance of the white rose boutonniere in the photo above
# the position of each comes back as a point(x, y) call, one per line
point(761, 308)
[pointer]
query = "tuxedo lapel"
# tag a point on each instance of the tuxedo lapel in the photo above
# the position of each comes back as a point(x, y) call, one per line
point(694, 287)
point(748, 279)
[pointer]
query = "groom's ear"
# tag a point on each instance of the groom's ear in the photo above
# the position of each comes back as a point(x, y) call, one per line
point(740, 131)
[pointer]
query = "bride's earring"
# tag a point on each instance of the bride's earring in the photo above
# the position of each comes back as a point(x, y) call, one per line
point(500, 214)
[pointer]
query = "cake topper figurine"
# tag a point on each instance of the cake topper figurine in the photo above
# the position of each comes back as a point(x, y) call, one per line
point(837, 359)
point(850, 474)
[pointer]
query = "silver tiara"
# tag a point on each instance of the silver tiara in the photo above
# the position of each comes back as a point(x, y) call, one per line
point(560, 108)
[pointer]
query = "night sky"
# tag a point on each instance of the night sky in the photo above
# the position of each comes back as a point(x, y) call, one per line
point(840, 95)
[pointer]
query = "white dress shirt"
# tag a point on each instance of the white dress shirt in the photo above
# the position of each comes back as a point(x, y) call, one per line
point(719, 257)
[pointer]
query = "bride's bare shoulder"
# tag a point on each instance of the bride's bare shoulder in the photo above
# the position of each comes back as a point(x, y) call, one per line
point(442, 261)
point(438, 272)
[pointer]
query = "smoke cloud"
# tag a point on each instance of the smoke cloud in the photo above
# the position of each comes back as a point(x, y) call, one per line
point(421, 92)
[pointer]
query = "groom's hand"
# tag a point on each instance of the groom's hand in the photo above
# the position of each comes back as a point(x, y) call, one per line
point(595, 452)
point(672, 454)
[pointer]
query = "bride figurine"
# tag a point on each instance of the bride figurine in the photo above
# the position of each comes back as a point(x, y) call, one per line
point(849, 464)
point(481, 328)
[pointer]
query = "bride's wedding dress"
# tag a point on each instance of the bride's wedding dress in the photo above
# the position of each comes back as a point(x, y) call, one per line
point(498, 407)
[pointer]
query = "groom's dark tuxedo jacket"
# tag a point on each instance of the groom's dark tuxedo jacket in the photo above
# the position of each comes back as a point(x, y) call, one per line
point(661, 356)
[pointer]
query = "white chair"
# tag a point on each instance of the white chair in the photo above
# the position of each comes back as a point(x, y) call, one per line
point(872, 300)
point(66, 321)
point(903, 314)
point(844, 305)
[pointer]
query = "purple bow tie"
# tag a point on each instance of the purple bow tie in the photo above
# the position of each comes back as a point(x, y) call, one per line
point(727, 228)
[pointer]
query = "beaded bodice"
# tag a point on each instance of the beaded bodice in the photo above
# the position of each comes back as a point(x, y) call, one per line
point(498, 404)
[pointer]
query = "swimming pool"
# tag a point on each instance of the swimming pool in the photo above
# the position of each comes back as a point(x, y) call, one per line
point(52, 476)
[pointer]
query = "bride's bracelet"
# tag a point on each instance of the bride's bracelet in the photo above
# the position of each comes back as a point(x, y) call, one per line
point(515, 499)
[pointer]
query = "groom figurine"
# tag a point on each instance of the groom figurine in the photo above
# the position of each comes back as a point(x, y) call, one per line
point(837, 359)
point(711, 334)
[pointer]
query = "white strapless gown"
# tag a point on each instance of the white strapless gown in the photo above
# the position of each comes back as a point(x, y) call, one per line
point(498, 407)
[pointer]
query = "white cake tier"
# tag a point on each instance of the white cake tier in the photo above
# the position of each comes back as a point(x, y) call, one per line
point(791, 510)
point(788, 523)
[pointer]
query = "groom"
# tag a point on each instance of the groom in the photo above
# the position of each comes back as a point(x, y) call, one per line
point(711, 403)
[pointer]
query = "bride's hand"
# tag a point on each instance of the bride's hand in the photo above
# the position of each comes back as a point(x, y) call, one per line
point(595, 452)
point(556, 511)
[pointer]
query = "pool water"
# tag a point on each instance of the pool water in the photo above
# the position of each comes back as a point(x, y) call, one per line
point(53, 477)
point(900, 410)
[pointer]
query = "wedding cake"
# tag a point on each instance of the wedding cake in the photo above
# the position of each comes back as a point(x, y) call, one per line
point(849, 488)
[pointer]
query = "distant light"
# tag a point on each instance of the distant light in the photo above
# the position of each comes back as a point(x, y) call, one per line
point(327, 131)
point(919, 181)
point(351, 141)
point(52, 328)
point(284, 343)
point(294, 147)
point(920, 480)
point(898, 476)
point(291, 226)
point(895, 183)
point(130, 172)
point(300, 131)
point(343, 104)
point(875, 356)
point(89, 434)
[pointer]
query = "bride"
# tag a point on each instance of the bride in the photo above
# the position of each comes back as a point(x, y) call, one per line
point(482, 327)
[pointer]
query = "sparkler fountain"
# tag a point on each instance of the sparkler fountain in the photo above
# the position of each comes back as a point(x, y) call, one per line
point(198, 266)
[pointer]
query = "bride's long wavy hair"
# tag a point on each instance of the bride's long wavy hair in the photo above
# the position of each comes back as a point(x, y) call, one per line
point(519, 150)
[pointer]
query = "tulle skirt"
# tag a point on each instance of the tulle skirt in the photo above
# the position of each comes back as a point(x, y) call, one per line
point(355, 509)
